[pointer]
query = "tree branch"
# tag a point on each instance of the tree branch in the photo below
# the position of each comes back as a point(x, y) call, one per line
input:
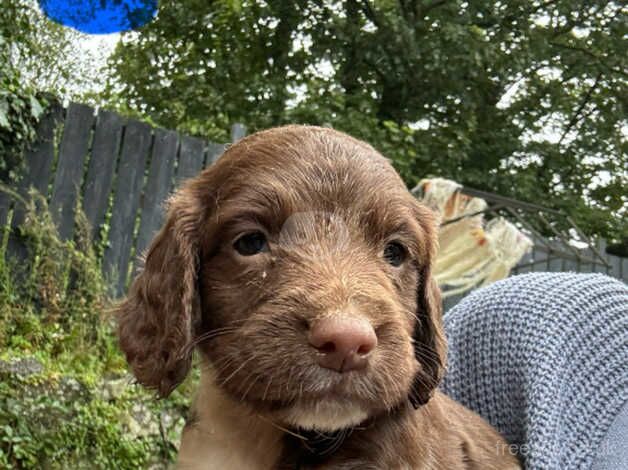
point(576, 116)
point(590, 54)
point(368, 11)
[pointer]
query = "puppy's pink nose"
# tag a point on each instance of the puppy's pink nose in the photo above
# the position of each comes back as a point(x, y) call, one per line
point(343, 343)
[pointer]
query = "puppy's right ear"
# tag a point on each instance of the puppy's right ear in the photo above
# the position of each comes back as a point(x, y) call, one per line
point(157, 318)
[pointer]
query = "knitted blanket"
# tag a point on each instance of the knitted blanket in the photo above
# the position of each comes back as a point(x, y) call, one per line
point(544, 358)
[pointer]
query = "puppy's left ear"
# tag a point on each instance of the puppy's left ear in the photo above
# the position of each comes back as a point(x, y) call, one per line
point(430, 346)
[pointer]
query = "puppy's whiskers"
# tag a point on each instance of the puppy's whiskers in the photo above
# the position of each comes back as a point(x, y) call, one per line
point(204, 337)
point(238, 369)
point(270, 381)
point(281, 428)
point(253, 375)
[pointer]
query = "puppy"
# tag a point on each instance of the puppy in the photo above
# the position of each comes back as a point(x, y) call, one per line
point(299, 266)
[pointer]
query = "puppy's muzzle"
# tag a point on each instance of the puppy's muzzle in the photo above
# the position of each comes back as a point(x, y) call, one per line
point(342, 343)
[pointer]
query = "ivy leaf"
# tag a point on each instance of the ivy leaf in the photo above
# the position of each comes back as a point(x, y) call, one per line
point(4, 115)
point(36, 108)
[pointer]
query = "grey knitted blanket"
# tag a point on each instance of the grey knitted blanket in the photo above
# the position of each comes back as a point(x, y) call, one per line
point(544, 358)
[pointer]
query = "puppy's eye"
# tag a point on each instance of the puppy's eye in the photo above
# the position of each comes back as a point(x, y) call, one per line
point(251, 244)
point(394, 253)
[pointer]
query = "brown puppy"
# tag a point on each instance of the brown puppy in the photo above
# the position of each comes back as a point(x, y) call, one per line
point(299, 266)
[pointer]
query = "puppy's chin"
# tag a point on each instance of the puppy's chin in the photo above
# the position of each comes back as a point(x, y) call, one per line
point(324, 415)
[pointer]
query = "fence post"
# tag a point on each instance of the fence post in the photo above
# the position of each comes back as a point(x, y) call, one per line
point(238, 131)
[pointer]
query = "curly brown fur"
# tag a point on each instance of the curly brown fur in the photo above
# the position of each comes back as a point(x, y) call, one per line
point(327, 205)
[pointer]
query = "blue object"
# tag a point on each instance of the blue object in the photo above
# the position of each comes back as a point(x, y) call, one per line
point(544, 358)
point(100, 16)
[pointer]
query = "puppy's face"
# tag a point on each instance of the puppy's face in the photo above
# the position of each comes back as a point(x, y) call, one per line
point(303, 278)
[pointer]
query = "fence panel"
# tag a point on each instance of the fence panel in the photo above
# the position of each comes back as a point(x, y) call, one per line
point(38, 160)
point(135, 147)
point(69, 172)
point(523, 266)
point(191, 158)
point(571, 264)
point(238, 131)
point(102, 164)
point(618, 267)
point(158, 186)
point(213, 153)
point(556, 261)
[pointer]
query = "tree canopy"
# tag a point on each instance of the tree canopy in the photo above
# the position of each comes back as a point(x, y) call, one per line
point(524, 98)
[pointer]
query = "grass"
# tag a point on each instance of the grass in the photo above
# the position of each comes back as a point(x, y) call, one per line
point(66, 399)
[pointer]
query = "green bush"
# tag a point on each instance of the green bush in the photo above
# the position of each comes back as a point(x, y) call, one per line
point(66, 399)
point(20, 106)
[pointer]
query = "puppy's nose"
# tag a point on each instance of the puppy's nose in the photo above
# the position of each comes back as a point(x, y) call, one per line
point(343, 343)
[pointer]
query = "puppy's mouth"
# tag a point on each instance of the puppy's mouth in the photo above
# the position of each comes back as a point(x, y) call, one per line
point(326, 411)
point(326, 384)
point(334, 402)
point(325, 415)
point(332, 386)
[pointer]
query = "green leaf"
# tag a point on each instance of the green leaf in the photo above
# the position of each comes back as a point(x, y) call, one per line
point(4, 118)
point(36, 108)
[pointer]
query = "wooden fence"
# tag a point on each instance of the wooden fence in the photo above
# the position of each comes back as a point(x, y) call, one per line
point(121, 170)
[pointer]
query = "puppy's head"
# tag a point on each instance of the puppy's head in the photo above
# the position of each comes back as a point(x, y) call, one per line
point(299, 265)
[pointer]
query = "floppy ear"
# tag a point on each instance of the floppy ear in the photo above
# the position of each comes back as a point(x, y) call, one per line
point(157, 319)
point(430, 346)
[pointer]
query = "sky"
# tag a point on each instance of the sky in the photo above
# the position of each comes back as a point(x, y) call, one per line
point(95, 49)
